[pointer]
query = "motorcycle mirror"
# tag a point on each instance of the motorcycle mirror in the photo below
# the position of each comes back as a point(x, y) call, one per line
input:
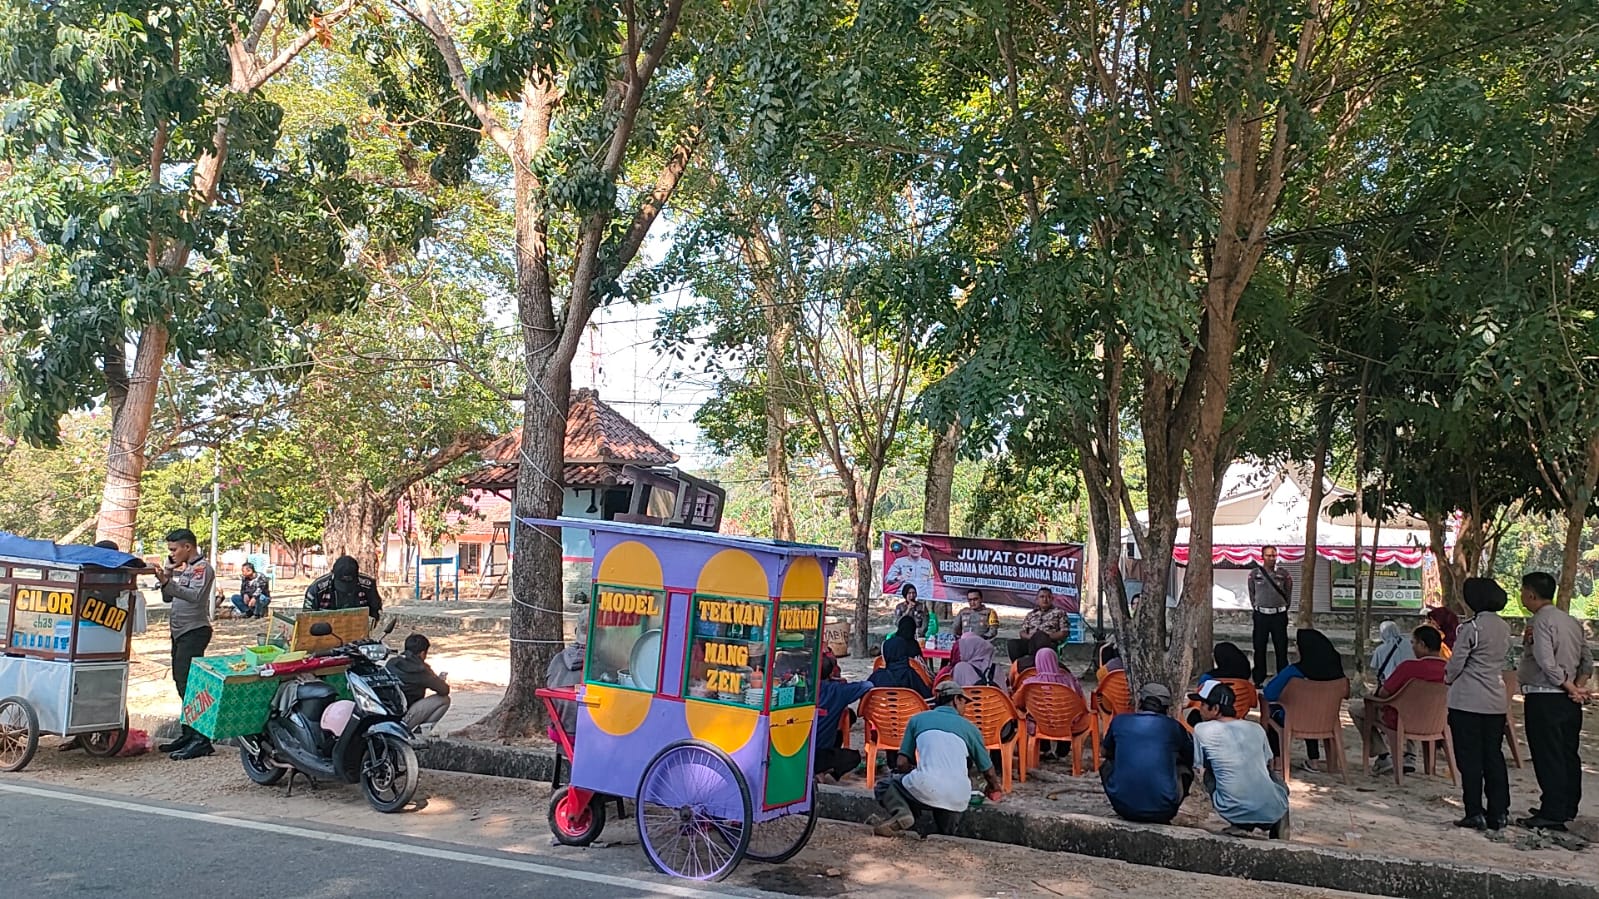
point(390, 629)
point(321, 629)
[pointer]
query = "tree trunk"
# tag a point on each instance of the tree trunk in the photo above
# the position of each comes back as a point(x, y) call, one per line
point(130, 430)
point(779, 334)
point(1576, 518)
point(1362, 603)
point(865, 590)
point(939, 492)
point(351, 529)
point(537, 620)
point(1318, 495)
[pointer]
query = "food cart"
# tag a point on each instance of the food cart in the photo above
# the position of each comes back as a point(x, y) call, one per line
point(64, 654)
point(698, 695)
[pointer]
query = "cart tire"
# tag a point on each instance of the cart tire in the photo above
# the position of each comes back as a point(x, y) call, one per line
point(103, 744)
point(694, 812)
point(388, 772)
point(576, 830)
point(780, 839)
point(19, 733)
point(265, 775)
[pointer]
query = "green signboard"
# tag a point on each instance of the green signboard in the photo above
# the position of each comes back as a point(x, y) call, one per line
point(1396, 589)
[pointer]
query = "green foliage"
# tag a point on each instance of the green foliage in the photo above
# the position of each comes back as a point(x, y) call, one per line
point(111, 119)
point(47, 493)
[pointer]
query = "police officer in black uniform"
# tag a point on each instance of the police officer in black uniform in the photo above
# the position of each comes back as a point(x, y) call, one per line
point(345, 588)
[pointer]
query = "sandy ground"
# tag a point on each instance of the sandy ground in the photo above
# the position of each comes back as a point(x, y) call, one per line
point(509, 815)
point(1370, 814)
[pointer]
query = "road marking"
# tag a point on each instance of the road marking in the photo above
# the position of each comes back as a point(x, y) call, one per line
point(488, 861)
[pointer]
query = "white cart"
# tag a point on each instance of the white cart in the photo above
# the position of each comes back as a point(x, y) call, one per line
point(68, 612)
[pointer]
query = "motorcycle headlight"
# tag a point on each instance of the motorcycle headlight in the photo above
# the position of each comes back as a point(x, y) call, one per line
point(366, 698)
point(377, 652)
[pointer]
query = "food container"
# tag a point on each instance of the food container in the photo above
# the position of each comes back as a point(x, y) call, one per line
point(261, 655)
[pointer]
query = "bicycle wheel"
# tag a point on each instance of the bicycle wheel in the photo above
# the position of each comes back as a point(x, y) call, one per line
point(780, 839)
point(694, 812)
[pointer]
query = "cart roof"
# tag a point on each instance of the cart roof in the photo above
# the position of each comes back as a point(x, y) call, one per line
point(44, 552)
point(650, 531)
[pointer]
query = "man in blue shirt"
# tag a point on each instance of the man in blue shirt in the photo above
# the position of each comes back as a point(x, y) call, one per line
point(834, 697)
point(931, 768)
point(1147, 760)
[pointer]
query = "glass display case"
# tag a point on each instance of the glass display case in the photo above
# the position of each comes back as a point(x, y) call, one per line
point(625, 637)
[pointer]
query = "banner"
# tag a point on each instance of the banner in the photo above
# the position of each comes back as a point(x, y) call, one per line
point(1009, 572)
point(1396, 589)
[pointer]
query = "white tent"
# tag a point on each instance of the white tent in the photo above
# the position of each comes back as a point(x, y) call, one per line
point(1262, 506)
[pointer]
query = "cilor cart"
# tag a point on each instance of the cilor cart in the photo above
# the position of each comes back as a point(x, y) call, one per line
point(68, 614)
point(699, 695)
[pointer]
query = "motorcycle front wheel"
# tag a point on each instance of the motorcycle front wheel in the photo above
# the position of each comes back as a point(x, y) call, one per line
point(257, 769)
point(388, 772)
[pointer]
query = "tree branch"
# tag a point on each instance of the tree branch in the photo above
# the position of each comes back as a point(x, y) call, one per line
point(424, 14)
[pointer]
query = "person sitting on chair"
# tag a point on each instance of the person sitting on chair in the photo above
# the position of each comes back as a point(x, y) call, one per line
point(834, 696)
point(416, 679)
point(1426, 644)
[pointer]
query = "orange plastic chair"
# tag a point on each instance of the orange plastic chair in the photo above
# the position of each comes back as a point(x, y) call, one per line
point(885, 711)
point(846, 723)
point(1312, 710)
point(1512, 690)
point(1246, 700)
point(1423, 709)
point(1111, 697)
point(1057, 712)
point(990, 709)
point(945, 673)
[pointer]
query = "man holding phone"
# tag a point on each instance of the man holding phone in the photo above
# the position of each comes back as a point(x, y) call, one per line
point(187, 581)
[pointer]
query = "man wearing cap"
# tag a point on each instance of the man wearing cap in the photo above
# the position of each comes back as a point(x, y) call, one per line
point(1147, 760)
point(1246, 792)
point(931, 768)
point(912, 569)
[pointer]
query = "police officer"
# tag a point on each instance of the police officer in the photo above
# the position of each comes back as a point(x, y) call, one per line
point(345, 588)
point(187, 581)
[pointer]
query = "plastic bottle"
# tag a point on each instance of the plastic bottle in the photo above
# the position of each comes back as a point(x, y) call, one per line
point(932, 624)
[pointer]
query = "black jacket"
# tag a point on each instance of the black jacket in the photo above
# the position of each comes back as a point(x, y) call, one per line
point(416, 677)
point(320, 595)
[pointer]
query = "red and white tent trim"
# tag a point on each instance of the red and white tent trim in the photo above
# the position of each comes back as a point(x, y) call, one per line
point(1407, 556)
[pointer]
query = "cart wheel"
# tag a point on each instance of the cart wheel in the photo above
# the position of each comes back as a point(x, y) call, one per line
point(105, 743)
point(19, 733)
point(780, 839)
point(580, 828)
point(694, 812)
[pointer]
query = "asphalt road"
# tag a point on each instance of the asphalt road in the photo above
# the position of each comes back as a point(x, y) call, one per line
point(59, 843)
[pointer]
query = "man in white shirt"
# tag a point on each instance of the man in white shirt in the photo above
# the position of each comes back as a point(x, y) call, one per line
point(931, 768)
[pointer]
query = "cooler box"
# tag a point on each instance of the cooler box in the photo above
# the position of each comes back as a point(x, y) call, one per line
point(227, 698)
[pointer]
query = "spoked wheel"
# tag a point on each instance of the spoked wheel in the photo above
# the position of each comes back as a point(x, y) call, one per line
point(780, 839)
point(388, 772)
point(105, 743)
point(19, 733)
point(576, 827)
point(694, 813)
point(258, 766)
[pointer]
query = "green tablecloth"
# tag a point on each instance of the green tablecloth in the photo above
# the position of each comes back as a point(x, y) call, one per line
point(221, 702)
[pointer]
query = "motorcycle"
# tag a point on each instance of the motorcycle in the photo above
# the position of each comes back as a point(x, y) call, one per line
point(310, 732)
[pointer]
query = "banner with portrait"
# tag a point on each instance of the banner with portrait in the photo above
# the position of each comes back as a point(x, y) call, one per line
point(1009, 572)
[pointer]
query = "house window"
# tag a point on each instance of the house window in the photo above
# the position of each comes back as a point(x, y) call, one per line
point(469, 557)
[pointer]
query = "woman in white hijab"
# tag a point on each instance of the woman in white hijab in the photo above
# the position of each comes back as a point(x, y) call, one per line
point(1393, 648)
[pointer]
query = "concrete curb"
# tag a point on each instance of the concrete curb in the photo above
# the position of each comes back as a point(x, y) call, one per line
point(1175, 848)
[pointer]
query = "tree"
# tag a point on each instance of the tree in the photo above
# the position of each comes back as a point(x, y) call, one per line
point(1138, 160)
point(596, 109)
point(163, 213)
